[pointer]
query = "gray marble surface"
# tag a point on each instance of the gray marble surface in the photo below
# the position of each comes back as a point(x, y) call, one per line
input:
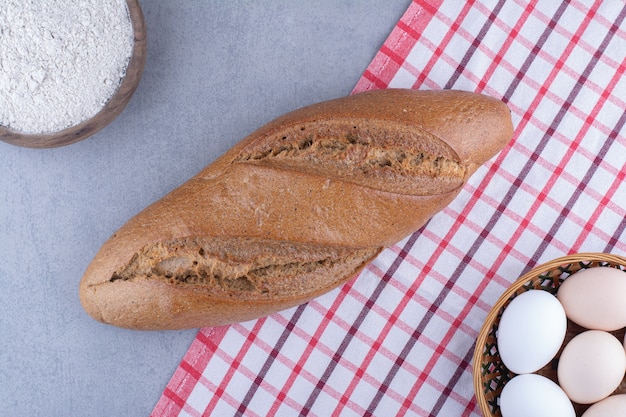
point(216, 70)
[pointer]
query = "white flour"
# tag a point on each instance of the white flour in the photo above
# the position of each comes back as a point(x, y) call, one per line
point(60, 60)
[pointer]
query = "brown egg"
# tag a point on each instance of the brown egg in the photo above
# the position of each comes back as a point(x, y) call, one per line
point(594, 298)
point(615, 405)
point(591, 366)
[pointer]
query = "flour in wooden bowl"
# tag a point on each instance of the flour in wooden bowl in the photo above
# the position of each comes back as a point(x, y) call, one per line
point(60, 61)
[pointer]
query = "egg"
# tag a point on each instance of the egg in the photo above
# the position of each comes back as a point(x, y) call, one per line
point(591, 366)
point(531, 331)
point(594, 298)
point(612, 406)
point(534, 395)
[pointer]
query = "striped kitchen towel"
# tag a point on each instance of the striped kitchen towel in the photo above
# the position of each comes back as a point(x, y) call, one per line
point(398, 340)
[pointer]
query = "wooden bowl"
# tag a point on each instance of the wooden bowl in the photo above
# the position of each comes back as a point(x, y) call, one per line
point(111, 109)
point(490, 374)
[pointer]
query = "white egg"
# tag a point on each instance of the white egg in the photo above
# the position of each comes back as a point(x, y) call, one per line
point(612, 406)
point(534, 395)
point(591, 366)
point(531, 331)
point(594, 298)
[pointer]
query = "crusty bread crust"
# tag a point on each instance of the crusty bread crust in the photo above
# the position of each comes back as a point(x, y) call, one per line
point(294, 210)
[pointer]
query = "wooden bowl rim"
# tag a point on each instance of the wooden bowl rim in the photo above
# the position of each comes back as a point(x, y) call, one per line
point(505, 298)
point(109, 111)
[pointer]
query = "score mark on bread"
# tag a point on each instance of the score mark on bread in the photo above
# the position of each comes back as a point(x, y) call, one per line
point(391, 157)
point(241, 267)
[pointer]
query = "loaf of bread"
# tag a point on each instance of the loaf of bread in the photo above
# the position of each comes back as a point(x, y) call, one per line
point(294, 210)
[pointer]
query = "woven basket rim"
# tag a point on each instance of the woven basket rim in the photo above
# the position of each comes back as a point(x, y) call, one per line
point(506, 296)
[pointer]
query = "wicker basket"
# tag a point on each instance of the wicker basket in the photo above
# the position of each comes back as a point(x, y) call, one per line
point(490, 374)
